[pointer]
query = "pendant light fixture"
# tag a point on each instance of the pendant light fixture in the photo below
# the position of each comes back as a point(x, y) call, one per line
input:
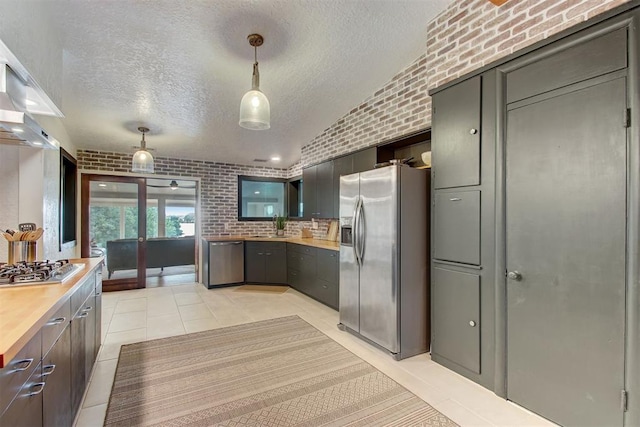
point(142, 161)
point(255, 112)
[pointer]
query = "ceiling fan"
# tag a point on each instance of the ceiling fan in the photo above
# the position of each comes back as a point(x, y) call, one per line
point(172, 185)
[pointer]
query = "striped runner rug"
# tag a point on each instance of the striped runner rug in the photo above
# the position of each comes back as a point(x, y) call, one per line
point(278, 372)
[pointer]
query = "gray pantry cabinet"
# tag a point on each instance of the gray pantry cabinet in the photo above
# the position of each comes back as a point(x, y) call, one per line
point(536, 207)
point(44, 384)
point(265, 262)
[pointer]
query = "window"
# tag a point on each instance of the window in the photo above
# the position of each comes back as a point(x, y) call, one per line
point(260, 199)
point(68, 178)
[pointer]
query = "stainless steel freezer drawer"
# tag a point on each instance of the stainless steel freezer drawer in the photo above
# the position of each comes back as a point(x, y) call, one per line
point(226, 262)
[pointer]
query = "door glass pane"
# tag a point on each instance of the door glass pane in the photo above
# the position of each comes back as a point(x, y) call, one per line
point(113, 227)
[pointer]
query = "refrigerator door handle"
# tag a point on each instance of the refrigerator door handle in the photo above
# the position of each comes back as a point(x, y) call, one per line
point(360, 232)
point(354, 228)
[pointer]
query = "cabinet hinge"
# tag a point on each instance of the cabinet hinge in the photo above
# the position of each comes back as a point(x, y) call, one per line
point(627, 118)
point(624, 400)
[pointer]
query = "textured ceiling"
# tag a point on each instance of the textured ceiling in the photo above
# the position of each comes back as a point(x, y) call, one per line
point(181, 68)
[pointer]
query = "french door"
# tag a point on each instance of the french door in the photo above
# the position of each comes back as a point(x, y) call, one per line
point(114, 224)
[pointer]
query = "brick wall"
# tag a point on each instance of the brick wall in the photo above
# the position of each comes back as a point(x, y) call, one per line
point(219, 187)
point(219, 190)
point(466, 36)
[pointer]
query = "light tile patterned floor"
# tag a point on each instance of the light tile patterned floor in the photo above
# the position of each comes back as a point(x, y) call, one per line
point(138, 315)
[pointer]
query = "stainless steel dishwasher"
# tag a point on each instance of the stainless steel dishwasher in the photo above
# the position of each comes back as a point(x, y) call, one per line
point(223, 263)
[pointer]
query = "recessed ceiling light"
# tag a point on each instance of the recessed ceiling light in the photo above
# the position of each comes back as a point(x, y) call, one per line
point(102, 185)
point(38, 143)
point(17, 130)
point(275, 158)
point(256, 192)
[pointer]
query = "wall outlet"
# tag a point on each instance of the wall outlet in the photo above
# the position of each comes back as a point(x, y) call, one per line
point(226, 226)
point(314, 224)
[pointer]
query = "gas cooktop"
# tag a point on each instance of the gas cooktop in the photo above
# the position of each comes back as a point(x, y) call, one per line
point(37, 272)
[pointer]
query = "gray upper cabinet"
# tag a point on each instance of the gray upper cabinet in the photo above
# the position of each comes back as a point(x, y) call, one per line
point(456, 135)
point(341, 166)
point(309, 192)
point(457, 227)
point(364, 160)
point(318, 190)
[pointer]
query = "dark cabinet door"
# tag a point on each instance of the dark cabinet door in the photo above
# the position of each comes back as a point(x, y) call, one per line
point(456, 135)
point(341, 166)
point(78, 358)
point(455, 334)
point(254, 262)
point(365, 160)
point(98, 340)
point(324, 190)
point(56, 371)
point(90, 334)
point(275, 263)
point(26, 408)
point(309, 192)
point(328, 265)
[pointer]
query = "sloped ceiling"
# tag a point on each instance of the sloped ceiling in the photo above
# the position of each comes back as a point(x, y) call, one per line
point(181, 68)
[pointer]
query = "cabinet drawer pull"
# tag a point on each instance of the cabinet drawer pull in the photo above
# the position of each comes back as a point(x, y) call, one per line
point(48, 370)
point(325, 286)
point(260, 253)
point(23, 365)
point(83, 314)
point(455, 199)
point(88, 308)
point(36, 389)
point(268, 253)
point(56, 321)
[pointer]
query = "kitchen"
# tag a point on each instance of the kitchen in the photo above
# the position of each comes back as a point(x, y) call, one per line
point(437, 65)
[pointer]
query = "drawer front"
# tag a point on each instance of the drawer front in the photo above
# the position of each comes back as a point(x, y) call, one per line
point(26, 408)
point(253, 246)
point(328, 265)
point(307, 250)
point(18, 370)
point(294, 260)
point(326, 293)
point(294, 277)
point(275, 246)
point(54, 327)
point(79, 297)
point(457, 227)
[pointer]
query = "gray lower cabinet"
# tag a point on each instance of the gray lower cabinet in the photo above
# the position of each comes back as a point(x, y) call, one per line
point(56, 372)
point(314, 272)
point(265, 262)
point(44, 384)
point(456, 317)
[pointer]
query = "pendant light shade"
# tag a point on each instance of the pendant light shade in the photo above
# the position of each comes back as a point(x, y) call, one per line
point(255, 112)
point(142, 161)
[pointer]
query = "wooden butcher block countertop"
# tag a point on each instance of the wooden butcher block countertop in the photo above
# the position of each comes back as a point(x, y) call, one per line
point(316, 243)
point(25, 309)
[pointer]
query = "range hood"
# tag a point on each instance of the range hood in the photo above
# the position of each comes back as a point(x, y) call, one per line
point(17, 127)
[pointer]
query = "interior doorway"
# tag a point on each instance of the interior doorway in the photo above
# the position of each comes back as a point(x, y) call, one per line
point(144, 227)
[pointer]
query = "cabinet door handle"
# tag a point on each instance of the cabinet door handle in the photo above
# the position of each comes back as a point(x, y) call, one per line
point(88, 308)
point(83, 314)
point(455, 199)
point(23, 365)
point(268, 253)
point(260, 253)
point(36, 389)
point(473, 131)
point(472, 323)
point(325, 286)
point(56, 321)
point(48, 370)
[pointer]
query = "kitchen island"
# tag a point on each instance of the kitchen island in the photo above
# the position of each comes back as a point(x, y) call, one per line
point(50, 335)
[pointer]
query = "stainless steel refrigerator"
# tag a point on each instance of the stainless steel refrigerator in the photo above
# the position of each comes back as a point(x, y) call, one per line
point(384, 259)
